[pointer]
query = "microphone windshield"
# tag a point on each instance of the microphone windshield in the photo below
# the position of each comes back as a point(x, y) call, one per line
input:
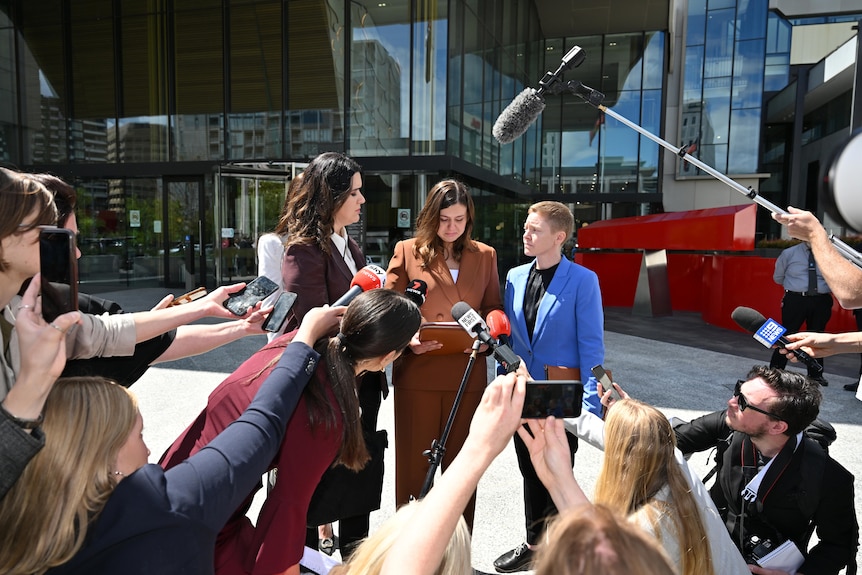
point(416, 291)
point(748, 319)
point(370, 277)
point(498, 324)
point(518, 116)
point(460, 309)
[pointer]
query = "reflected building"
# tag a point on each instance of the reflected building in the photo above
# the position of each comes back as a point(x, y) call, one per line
point(187, 120)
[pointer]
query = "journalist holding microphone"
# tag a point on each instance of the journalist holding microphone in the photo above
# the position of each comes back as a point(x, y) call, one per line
point(455, 268)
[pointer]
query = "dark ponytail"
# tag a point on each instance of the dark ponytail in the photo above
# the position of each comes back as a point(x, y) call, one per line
point(376, 323)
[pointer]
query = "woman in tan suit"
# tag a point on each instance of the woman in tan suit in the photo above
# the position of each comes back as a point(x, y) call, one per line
point(456, 268)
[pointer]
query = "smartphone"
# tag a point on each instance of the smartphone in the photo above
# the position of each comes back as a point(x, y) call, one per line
point(59, 267)
point(189, 297)
point(602, 377)
point(276, 317)
point(256, 290)
point(559, 397)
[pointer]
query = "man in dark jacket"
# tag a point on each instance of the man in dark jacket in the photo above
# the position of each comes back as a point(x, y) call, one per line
point(773, 482)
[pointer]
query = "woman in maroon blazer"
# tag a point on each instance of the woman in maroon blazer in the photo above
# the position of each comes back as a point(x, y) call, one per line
point(320, 260)
point(324, 430)
point(456, 268)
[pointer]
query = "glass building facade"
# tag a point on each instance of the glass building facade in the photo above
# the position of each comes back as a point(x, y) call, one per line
point(725, 55)
point(180, 123)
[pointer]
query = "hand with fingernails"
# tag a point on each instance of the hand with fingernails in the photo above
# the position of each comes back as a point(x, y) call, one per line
point(43, 354)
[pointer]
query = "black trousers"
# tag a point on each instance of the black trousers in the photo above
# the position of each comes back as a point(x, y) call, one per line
point(352, 530)
point(813, 310)
point(538, 505)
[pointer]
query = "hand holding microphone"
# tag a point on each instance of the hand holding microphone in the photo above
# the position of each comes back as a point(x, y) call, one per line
point(769, 333)
point(473, 324)
point(368, 278)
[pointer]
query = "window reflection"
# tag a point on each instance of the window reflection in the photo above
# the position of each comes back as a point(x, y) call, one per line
point(379, 80)
point(254, 122)
point(723, 83)
point(745, 135)
point(92, 72)
point(595, 153)
point(430, 32)
point(142, 131)
point(198, 127)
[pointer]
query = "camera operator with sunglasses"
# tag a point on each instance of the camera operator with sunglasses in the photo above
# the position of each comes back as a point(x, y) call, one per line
point(774, 483)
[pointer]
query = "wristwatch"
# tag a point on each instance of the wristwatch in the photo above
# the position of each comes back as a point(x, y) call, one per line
point(22, 423)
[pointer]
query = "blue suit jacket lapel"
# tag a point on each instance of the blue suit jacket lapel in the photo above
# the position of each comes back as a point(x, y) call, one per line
point(519, 283)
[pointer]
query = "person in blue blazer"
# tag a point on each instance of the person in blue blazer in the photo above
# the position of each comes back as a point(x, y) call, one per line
point(95, 506)
point(555, 308)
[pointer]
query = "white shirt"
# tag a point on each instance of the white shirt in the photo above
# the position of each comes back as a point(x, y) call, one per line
point(341, 245)
point(270, 253)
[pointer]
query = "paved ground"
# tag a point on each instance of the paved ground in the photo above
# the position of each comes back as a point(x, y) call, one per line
point(679, 364)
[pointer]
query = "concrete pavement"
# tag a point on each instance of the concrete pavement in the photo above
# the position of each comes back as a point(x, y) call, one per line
point(679, 364)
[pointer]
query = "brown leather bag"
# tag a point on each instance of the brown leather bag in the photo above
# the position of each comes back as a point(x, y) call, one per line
point(558, 372)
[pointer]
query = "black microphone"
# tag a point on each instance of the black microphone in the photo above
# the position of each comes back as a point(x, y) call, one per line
point(473, 324)
point(416, 291)
point(526, 107)
point(769, 333)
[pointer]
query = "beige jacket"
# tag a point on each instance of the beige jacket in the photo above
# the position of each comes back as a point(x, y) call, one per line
point(97, 336)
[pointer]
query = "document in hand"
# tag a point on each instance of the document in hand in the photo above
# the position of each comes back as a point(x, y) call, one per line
point(785, 557)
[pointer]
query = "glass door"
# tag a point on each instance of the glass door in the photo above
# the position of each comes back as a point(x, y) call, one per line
point(183, 253)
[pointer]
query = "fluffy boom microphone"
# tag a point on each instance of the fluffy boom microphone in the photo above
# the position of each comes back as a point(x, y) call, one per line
point(526, 107)
point(518, 116)
point(769, 333)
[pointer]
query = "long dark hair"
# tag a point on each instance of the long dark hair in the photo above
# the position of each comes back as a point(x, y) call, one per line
point(376, 323)
point(444, 194)
point(309, 211)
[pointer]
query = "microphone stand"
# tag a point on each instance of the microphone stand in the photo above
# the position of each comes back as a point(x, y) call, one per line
point(438, 448)
point(595, 98)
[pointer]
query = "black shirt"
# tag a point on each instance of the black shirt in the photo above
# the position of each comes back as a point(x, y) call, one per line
point(537, 285)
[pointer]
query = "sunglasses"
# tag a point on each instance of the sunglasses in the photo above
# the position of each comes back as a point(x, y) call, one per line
point(744, 404)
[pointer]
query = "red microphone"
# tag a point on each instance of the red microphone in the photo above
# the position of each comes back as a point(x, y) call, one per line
point(498, 324)
point(368, 278)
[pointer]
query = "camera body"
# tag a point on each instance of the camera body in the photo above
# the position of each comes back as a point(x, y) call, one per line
point(756, 548)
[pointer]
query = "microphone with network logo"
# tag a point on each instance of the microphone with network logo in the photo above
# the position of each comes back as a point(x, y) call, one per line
point(473, 324)
point(416, 291)
point(769, 332)
point(368, 278)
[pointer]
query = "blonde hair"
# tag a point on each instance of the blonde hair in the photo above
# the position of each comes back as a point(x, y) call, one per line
point(45, 516)
point(558, 216)
point(370, 555)
point(593, 540)
point(639, 461)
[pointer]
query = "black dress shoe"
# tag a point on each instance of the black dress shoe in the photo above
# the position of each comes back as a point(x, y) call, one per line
point(518, 559)
point(851, 386)
point(820, 380)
